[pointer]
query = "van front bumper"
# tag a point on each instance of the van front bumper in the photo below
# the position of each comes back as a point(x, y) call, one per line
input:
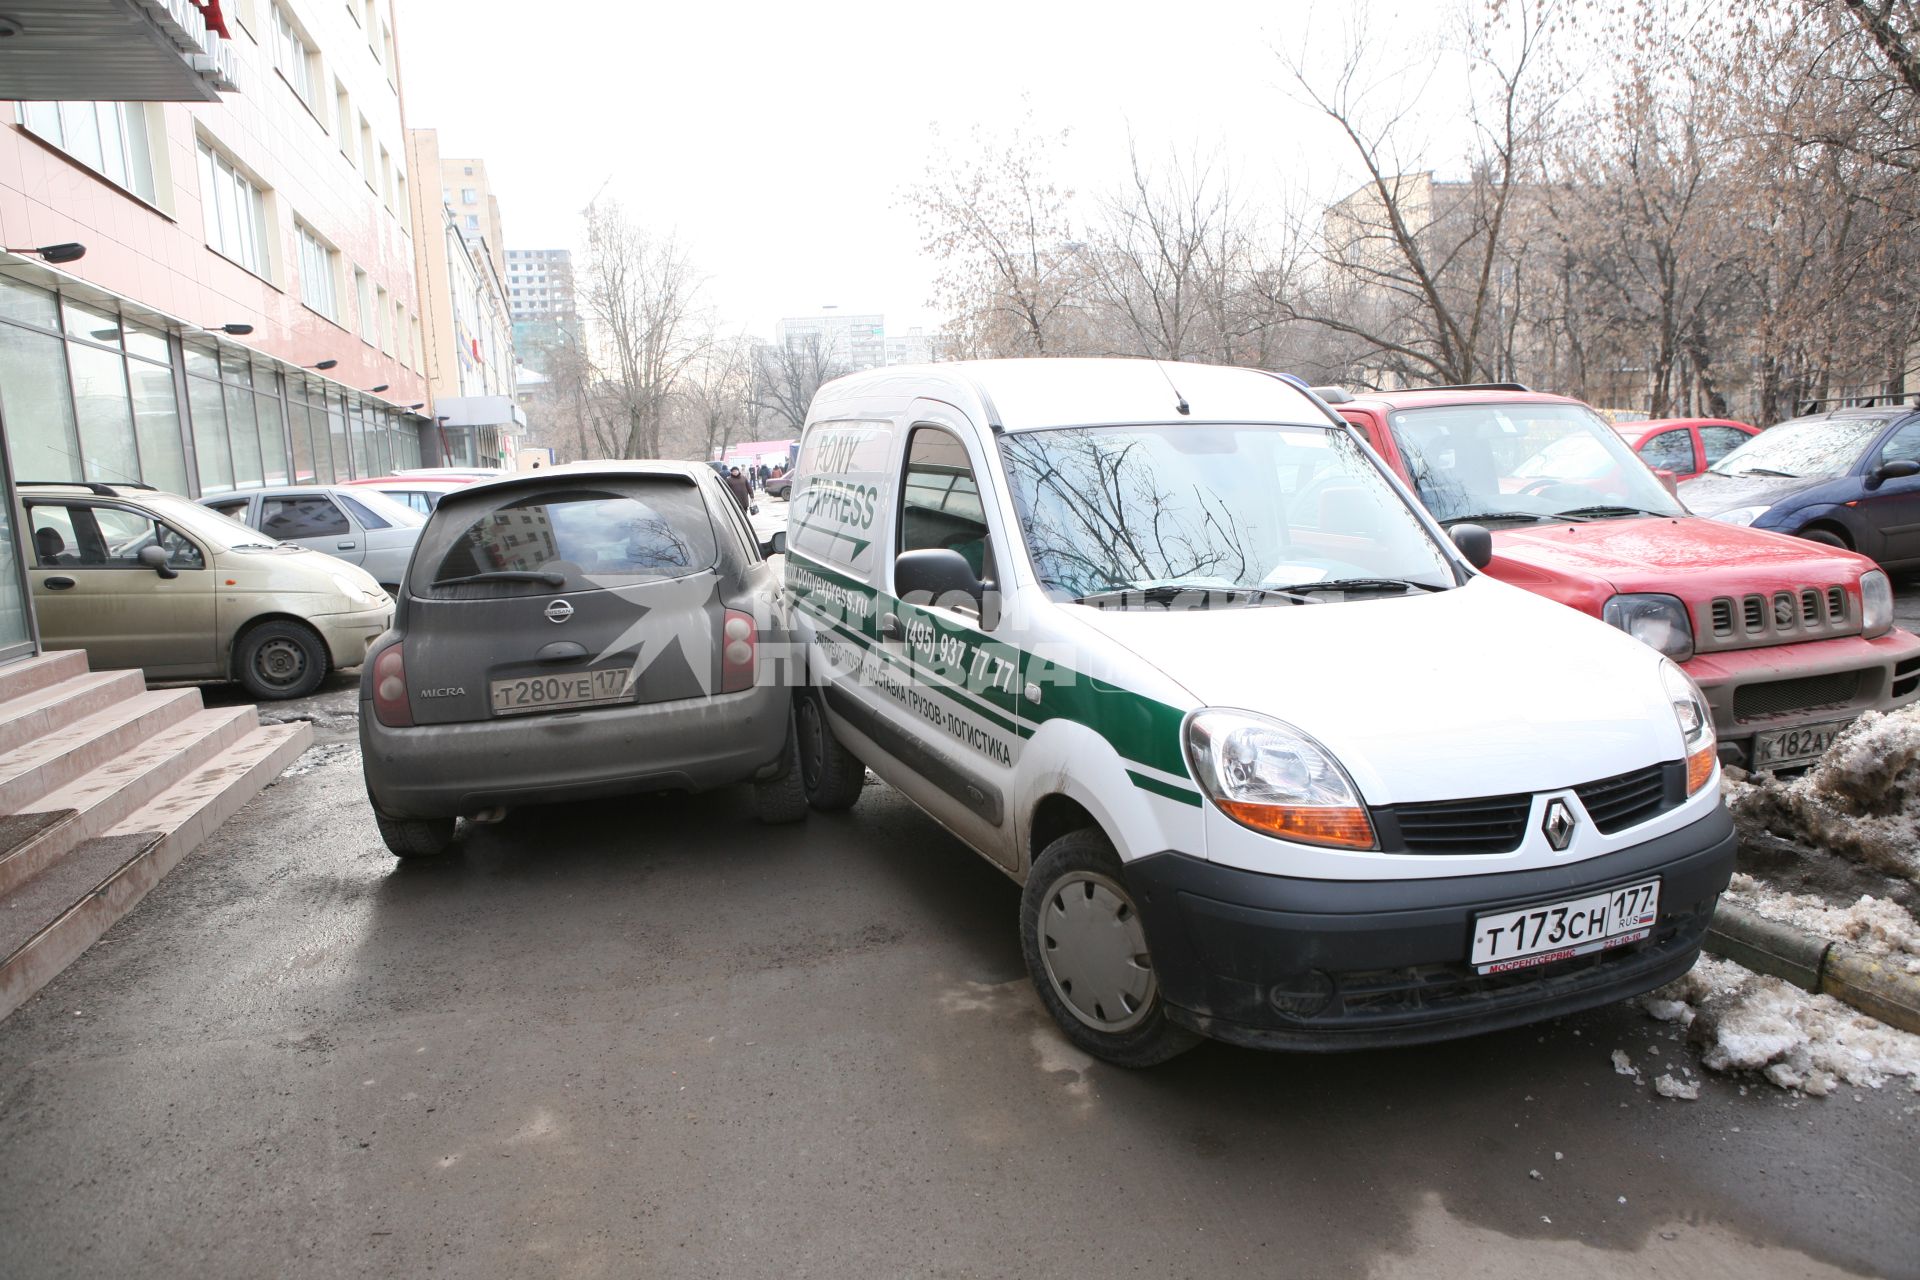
point(1284, 963)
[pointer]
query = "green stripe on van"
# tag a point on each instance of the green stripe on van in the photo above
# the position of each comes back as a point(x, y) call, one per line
point(1166, 789)
point(1140, 728)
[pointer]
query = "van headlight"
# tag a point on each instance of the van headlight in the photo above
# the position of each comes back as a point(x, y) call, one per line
point(1271, 777)
point(1695, 718)
point(1740, 515)
point(1658, 621)
point(1876, 604)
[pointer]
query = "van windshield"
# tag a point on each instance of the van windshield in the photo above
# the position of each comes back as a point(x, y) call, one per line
point(1112, 512)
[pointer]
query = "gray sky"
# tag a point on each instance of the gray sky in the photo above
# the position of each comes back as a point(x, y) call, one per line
point(777, 138)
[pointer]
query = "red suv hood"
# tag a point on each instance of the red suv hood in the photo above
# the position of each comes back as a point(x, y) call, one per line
point(1690, 557)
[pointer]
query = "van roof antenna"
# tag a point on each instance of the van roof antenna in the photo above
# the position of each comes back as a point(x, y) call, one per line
point(1179, 401)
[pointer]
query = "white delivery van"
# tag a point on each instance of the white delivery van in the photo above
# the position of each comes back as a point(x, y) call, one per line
point(1169, 645)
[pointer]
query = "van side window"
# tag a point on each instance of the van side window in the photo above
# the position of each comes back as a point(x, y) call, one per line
point(940, 504)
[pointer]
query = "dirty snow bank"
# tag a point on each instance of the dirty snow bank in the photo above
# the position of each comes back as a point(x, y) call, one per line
point(1744, 1021)
point(1870, 924)
point(1862, 801)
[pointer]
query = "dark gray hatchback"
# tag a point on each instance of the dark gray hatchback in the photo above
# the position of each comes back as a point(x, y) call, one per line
point(576, 632)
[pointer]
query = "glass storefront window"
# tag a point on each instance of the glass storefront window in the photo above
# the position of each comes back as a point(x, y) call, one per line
point(26, 304)
point(210, 435)
point(105, 414)
point(90, 324)
point(244, 436)
point(273, 439)
point(156, 425)
point(302, 443)
point(38, 405)
point(337, 434)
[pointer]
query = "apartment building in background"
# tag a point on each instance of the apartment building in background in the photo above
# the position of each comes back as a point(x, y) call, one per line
point(245, 223)
point(849, 342)
point(467, 324)
point(464, 189)
point(546, 311)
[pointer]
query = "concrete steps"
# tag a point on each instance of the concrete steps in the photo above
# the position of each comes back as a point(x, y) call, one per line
point(104, 786)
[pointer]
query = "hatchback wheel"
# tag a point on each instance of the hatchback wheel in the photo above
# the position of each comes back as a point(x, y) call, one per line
point(415, 837)
point(783, 799)
point(832, 775)
point(280, 660)
point(1086, 949)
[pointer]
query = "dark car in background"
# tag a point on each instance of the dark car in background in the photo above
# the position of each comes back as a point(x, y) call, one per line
point(577, 632)
point(1846, 478)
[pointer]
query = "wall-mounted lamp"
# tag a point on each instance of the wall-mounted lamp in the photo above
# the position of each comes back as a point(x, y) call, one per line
point(237, 330)
point(421, 405)
point(377, 390)
point(71, 251)
point(324, 364)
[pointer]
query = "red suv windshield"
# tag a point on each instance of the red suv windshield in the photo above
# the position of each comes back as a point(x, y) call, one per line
point(1524, 461)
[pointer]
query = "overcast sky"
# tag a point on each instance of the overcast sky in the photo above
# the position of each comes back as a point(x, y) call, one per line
point(777, 139)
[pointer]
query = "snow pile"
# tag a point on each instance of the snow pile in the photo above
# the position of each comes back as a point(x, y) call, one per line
point(1685, 1090)
point(1862, 800)
point(1743, 1021)
point(1873, 925)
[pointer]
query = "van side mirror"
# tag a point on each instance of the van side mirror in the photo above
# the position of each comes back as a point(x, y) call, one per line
point(936, 576)
point(1475, 543)
point(160, 560)
point(776, 545)
point(1892, 469)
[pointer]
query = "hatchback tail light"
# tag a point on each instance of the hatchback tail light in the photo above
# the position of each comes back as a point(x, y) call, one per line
point(739, 652)
point(391, 706)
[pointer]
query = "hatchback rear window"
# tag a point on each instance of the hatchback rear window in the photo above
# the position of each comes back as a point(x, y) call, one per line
point(622, 530)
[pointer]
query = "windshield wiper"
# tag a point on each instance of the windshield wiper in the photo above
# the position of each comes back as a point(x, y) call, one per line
point(1609, 509)
point(548, 576)
point(1401, 585)
point(1760, 471)
point(1534, 516)
point(1168, 592)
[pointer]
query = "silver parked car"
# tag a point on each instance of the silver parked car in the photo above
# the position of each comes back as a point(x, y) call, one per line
point(579, 631)
point(359, 525)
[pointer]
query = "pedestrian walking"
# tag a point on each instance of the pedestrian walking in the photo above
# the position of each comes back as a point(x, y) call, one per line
point(741, 490)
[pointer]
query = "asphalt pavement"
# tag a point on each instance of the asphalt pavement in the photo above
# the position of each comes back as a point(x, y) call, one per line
point(650, 1036)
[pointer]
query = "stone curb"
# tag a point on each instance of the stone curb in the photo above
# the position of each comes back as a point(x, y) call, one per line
point(1867, 982)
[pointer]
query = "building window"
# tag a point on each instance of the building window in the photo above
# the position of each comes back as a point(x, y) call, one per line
point(363, 299)
point(366, 150)
point(294, 57)
point(234, 211)
point(468, 195)
point(400, 207)
point(343, 111)
point(473, 222)
point(317, 275)
point(384, 335)
point(109, 138)
point(386, 178)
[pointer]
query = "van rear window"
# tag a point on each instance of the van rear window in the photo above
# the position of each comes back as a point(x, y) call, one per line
point(624, 530)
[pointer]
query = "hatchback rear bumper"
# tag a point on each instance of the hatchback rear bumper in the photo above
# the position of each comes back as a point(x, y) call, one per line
point(1814, 682)
point(692, 744)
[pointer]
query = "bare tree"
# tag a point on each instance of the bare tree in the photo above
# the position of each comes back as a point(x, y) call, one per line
point(787, 374)
point(717, 395)
point(1003, 233)
point(642, 294)
point(1419, 269)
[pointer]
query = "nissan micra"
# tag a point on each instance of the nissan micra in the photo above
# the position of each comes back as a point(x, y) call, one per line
point(1168, 644)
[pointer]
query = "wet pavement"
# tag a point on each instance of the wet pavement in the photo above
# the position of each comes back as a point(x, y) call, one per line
point(651, 1036)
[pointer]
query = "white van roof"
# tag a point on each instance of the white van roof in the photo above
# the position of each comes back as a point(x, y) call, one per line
point(1024, 395)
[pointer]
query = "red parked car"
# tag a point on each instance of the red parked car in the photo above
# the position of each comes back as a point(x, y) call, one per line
point(1788, 639)
point(1684, 446)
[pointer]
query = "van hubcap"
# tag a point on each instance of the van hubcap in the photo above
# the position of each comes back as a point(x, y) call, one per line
point(1095, 951)
point(280, 662)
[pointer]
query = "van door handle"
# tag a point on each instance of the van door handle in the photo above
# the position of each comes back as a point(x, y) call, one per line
point(60, 584)
point(890, 628)
point(346, 546)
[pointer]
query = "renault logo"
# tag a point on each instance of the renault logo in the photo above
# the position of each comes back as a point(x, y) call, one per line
point(560, 611)
point(1559, 825)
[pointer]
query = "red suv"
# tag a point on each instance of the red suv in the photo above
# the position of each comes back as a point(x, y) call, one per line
point(1788, 639)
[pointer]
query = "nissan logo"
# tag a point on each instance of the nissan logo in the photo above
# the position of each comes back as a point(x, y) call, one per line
point(559, 611)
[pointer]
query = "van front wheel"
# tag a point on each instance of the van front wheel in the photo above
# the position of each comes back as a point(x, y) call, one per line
point(1086, 949)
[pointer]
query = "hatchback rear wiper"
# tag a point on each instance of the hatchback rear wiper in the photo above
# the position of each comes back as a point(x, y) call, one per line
point(548, 576)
